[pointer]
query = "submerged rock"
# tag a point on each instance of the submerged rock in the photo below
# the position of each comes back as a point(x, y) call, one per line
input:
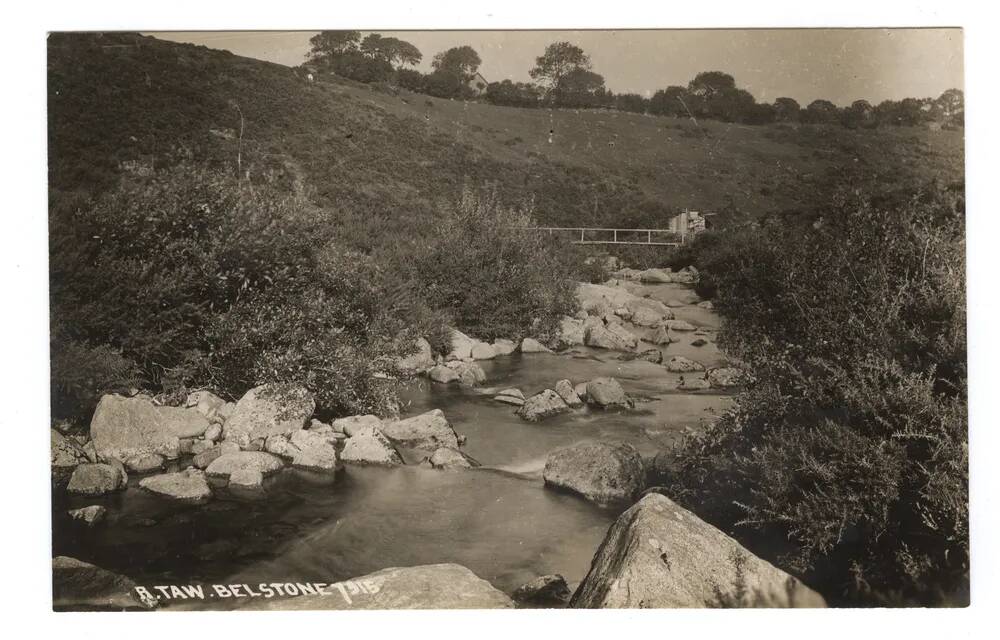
point(658, 555)
point(370, 446)
point(95, 479)
point(188, 486)
point(542, 405)
point(544, 590)
point(602, 472)
point(89, 516)
point(510, 396)
point(607, 392)
point(268, 410)
point(448, 458)
point(427, 431)
point(680, 364)
point(80, 586)
point(436, 586)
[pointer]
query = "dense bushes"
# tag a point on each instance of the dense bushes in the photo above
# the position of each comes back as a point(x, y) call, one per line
point(851, 438)
point(495, 279)
point(187, 278)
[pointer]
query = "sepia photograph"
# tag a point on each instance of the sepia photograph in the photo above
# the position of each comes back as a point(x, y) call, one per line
point(507, 319)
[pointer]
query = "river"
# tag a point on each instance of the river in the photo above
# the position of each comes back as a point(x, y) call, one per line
point(499, 521)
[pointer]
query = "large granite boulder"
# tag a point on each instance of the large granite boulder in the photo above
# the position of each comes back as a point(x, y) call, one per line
point(461, 346)
point(598, 299)
point(124, 428)
point(603, 472)
point(420, 360)
point(65, 454)
point(544, 404)
point(680, 325)
point(436, 586)
point(504, 347)
point(147, 463)
point(268, 410)
point(188, 486)
point(658, 555)
point(203, 459)
point(427, 431)
point(229, 464)
point(483, 351)
point(96, 479)
point(370, 446)
point(80, 586)
point(613, 337)
point(314, 452)
point(607, 392)
point(571, 332)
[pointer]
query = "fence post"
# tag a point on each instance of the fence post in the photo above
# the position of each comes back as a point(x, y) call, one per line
point(616, 236)
point(649, 236)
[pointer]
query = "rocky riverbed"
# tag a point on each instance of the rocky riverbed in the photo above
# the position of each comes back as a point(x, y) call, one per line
point(504, 476)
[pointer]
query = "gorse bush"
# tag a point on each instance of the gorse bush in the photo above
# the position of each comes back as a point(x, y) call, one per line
point(851, 437)
point(493, 277)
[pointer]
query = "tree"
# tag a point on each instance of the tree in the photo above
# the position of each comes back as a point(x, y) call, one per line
point(951, 107)
point(631, 102)
point(709, 84)
point(786, 110)
point(860, 114)
point(512, 94)
point(670, 102)
point(579, 88)
point(327, 44)
point(559, 59)
point(462, 61)
point(821, 112)
point(391, 50)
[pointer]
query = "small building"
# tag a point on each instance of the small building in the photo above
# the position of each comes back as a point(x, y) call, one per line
point(477, 84)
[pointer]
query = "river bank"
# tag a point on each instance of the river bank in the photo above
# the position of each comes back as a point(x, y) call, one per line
point(499, 520)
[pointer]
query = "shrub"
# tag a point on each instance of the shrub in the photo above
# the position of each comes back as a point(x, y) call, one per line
point(494, 278)
point(200, 280)
point(851, 437)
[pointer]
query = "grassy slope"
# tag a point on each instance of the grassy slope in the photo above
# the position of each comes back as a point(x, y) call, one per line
point(383, 163)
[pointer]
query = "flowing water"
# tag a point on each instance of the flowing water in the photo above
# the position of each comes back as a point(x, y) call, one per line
point(499, 521)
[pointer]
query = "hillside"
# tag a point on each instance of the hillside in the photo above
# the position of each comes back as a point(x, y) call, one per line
point(383, 161)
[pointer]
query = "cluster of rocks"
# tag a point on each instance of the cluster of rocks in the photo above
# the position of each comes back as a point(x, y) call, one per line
point(565, 396)
point(241, 444)
point(605, 311)
point(687, 275)
point(460, 364)
point(717, 378)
